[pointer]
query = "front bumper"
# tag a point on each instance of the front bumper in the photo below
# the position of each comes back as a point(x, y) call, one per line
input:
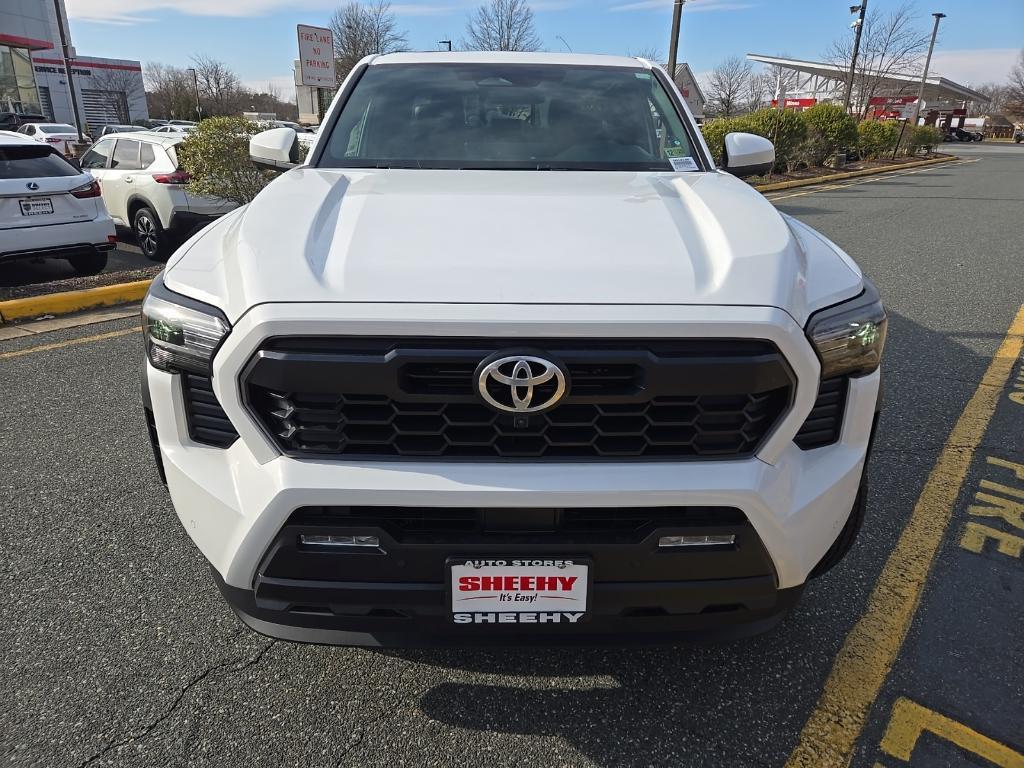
point(235, 501)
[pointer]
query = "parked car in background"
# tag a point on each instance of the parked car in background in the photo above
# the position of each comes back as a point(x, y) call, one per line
point(174, 128)
point(49, 208)
point(181, 122)
point(149, 123)
point(59, 135)
point(959, 134)
point(12, 121)
point(144, 188)
point(108, 129)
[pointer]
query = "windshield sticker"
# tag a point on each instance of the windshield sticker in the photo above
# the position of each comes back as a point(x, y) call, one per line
point(683, 164)
point(675, 152)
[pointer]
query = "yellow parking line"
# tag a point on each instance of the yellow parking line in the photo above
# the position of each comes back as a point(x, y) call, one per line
point(871, 648)
point(68, 343)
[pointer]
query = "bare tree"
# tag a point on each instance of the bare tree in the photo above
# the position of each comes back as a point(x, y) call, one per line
point(362, 30)
point(760, 91)
point(1014, 97)
point(219, 86)
point(502, 25)
point(169, 91)
point(651, 54)
point(727, 85)
point(891, 43)
point(997, 97)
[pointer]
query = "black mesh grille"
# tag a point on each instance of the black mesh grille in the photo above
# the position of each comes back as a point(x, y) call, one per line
point(411, 523)
point(207, 422)
point(388, 398)
point(824, 425)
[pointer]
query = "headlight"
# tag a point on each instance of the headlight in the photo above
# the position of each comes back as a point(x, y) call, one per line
point(849, 337)
point(181, 333)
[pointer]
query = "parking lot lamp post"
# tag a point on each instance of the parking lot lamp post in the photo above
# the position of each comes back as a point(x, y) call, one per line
point(927, 63)
point(65, 49)
point(195, 82)
point(859, 23)
point(673, 46)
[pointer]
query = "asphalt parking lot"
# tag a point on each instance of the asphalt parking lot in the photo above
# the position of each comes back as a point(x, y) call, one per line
point(118, 649)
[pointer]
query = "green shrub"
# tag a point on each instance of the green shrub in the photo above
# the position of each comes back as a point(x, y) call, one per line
point(786, 129)
point(875, 138)
point(829, 129)
point(216, 157)
point(924, 137)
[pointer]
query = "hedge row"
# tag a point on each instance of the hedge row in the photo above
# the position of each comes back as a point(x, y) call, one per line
point(811, 137)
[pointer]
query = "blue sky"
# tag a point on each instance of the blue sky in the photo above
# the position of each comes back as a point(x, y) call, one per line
point(978, 41)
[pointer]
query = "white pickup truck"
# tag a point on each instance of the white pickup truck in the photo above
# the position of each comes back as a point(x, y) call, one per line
point(509, 360)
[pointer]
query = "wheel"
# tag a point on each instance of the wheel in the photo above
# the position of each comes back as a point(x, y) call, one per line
point(149, 235)
point(88, 264)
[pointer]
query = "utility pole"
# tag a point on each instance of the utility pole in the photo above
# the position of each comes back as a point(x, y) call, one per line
point(195, 82)
point(446, 42)
point(673, 46)
point(927, 63)
point(863, 8)
point(65, 49)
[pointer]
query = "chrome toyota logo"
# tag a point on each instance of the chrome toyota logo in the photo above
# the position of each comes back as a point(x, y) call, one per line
point(32, 185)
point(521, 383)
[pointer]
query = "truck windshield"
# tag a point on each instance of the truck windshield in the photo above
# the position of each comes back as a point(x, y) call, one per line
point(509, 116)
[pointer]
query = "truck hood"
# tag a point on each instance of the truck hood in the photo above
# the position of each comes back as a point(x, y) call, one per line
point(510, 237)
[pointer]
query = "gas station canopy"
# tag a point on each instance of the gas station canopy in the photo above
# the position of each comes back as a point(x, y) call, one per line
point(822, 77)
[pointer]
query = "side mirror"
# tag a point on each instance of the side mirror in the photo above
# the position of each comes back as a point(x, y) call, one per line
point(277, 149)
point(747, 154)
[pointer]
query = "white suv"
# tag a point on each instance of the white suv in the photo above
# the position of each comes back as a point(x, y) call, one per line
point(144, 189)
point(508, 360)
point(49, 208)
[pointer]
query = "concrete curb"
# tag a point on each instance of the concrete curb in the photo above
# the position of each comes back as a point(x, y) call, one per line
point(849, 175)
point(72, 301)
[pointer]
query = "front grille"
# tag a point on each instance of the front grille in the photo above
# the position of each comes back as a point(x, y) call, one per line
point(414, 398)
point(207, 422)
point(412, 524)
point(824, 424)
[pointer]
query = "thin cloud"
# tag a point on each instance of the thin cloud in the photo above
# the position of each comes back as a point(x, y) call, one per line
point(126, 12)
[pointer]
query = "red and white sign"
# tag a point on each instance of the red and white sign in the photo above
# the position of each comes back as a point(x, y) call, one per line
point(518, 591)
point(795, 103)
point(316, 57)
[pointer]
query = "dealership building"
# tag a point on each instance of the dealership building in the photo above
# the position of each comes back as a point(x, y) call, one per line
point(33, 80)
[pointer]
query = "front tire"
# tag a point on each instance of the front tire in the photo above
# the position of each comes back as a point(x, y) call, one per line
point(149, 235)
point(89, 264)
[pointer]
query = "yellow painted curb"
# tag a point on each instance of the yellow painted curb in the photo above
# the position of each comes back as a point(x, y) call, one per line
point(73, 301)
point(848, 175)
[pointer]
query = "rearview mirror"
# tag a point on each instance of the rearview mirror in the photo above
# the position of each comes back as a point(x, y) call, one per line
point(277, 148)
point(747, 154)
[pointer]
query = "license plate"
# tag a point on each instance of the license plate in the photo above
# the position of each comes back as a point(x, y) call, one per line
point(521, 590)
point(36, 206)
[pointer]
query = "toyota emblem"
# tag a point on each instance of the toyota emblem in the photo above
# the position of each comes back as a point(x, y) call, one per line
point(521, 383)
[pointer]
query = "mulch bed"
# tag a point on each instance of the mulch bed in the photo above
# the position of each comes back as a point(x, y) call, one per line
point(78, 283)
point(853, 165)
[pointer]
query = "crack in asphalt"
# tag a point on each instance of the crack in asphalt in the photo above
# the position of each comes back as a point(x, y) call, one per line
point(148, 729)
